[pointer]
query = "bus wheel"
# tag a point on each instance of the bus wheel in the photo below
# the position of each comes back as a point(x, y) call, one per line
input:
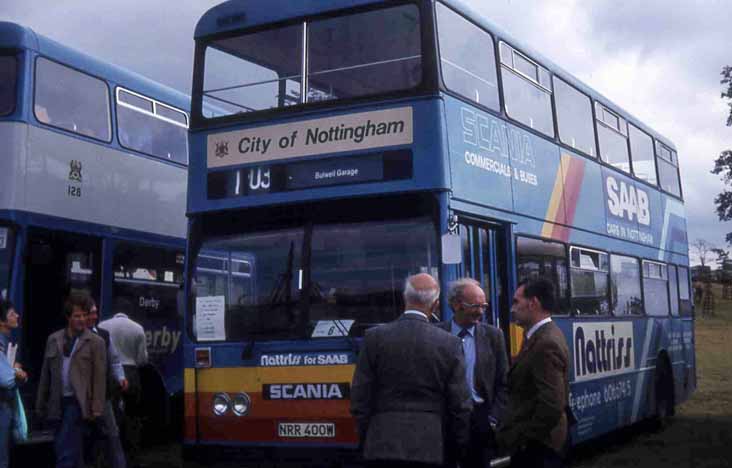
point(664, 390)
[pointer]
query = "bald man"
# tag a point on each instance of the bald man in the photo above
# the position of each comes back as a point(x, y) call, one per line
point(409, 386)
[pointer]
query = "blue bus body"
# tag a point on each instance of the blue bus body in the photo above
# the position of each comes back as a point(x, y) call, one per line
point(89, 204)
point(430, 165)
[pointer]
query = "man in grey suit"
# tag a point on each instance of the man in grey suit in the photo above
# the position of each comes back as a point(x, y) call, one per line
point(409, 393)
point(486, 366)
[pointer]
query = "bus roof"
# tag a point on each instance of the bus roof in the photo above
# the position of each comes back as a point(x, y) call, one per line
point(244, 14)
point(15, 36)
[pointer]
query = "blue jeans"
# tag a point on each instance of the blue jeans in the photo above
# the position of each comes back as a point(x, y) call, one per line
point(69, 435)
point(6, 423)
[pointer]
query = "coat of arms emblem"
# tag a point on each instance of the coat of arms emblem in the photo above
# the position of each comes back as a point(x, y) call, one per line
point(75, 170)
point(222, 149)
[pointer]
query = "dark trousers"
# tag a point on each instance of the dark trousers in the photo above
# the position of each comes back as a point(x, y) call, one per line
point(482, 440)
point(482, 447)
point(536, 455)
point(69, 435)
point(7, 412)
point(105, 430)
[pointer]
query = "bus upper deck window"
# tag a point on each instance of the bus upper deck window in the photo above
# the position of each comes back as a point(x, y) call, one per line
point(461, 71)
point(8, 84)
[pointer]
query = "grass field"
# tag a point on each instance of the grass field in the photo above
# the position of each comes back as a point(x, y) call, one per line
point(700, 435)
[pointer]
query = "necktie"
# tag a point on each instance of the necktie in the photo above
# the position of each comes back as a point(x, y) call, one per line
point(463, 333)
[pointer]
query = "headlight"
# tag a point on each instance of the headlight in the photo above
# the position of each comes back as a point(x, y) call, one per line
point(240, 404)
point(221, 404)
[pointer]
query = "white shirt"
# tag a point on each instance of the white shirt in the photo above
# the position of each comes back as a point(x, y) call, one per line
point(416, 312)
point(536, 326)
point(129, 339)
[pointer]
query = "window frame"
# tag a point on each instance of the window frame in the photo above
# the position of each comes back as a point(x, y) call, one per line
point(428, 83)
point(110, 124)
point(595, 142)
point(496, 61)
point(154, 102)
point(571, 291)
point(632, 159)
point(658, 146)
point(18, 70)
point(639, 261)
point(600, 110)
point(536, 82)
point(567, 266)
point(663, 267)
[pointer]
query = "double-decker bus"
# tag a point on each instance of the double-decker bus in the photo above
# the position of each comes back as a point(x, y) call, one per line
point(362, 141)
point(92, 197)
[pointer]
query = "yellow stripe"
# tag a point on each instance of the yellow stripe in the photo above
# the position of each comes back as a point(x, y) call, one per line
point(557, 194)
point(251, 379)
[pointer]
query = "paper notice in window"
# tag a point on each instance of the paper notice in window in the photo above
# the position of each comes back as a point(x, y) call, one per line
point(210, 315)
point(3, 238)
point(332, 328)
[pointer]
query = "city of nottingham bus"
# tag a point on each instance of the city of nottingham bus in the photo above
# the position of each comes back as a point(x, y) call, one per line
point(364, 141)
point(92, 197)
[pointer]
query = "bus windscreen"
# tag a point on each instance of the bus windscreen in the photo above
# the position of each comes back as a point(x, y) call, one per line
point(349, 56)
point(354, 273)
point(8, 84)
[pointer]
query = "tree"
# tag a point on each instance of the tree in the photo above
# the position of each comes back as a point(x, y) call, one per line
point(723, 164)
point(702, 249)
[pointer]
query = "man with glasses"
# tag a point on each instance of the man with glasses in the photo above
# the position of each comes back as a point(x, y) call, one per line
point(485, 370)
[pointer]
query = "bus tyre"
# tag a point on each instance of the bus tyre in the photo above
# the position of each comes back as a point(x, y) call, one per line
point(664, 394)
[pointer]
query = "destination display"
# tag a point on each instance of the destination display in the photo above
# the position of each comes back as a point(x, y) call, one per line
point(344, 133)
point(375, 167)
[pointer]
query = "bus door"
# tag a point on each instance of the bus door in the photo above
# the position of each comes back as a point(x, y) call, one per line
point(56, 263)
point(485, 253)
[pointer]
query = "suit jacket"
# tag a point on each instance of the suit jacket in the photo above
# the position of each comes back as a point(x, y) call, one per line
point(87, 373)
point(491, 366)
point(409, 386)
point(538, 386)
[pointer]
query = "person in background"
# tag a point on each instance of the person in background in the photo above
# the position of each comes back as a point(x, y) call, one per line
point(107, 428)
point(73, 382)
point(535, 426)
point(409, 392)
point(486, 365)
point(10, 377)
point(129, 339)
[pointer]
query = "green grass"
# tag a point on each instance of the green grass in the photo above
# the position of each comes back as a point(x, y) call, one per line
point(700, 435)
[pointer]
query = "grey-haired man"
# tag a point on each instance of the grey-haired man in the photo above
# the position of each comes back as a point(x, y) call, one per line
point(409, 392)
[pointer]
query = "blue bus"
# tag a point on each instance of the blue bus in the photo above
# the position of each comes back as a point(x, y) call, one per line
point(361, 141)
point(92, 197)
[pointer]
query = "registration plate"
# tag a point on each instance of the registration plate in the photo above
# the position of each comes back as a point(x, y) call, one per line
point(305, 430)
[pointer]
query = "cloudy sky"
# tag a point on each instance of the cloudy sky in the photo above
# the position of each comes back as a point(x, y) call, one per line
point(658, 59)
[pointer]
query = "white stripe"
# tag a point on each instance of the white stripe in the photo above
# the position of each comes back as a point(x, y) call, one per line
point(641, 375)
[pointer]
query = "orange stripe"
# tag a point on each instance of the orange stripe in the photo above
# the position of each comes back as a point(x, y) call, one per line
point(555, 210)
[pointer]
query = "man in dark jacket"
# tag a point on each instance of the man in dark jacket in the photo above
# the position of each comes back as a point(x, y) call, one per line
point(409, 386)
point(486, 365)
point(534, 428)
point(106, 428)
